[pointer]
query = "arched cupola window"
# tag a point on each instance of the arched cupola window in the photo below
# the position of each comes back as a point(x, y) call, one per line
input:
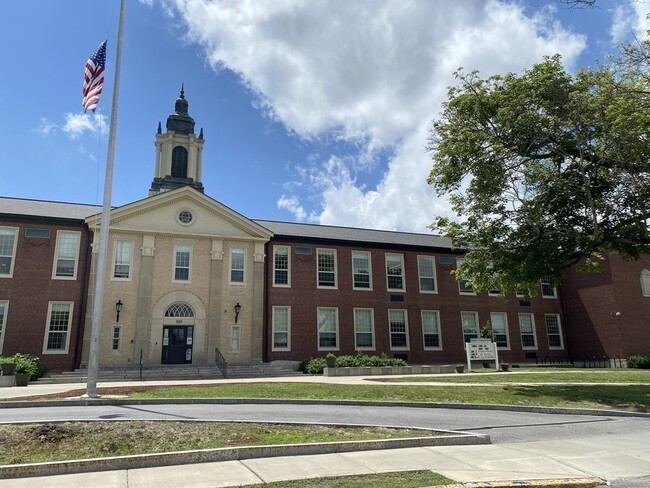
point(179, 162)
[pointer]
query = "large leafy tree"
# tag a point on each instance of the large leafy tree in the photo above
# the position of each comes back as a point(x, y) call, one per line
point(545, 170)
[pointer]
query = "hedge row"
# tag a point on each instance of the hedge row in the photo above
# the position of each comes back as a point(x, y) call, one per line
point(639, 361)
point(316, 365)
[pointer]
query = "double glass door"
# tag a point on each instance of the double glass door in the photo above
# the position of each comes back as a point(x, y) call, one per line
point(177, 345)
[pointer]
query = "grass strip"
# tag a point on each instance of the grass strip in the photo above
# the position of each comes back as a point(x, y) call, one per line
point(35, 443)
point(632, 398)
point(544, 376)
point(401, 479)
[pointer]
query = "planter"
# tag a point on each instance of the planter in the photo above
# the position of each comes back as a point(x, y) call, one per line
point(22, 379)
point(460, 368)
point(505, 367)
point(8, 369)
point(331, 362)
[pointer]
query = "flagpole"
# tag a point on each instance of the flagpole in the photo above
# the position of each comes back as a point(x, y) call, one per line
point(98, 299)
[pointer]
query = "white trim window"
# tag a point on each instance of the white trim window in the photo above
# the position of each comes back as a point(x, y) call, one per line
point(431, 330)
point(399, 330)
point(281, 325)
point(548, 291)
point(328, 328)
point(499, 322)
point(427, 274)
point(326, 268)
point(464, 288)
point(57, 331)
point(8, 241)
point(282, 266)
point(237, 266)
point(67, 255)
point(182, 262)
point(527, 331)
point(645, 282)
point(364, 329)
point(553, 331)
point(361, 270)
point(116, 338)
point(469, 322)
point(4, 308)
point(235, 338)
point(122, 260)
point(395, 272)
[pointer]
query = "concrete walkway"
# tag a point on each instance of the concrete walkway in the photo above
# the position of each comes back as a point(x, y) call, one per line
point(610, 458)
point(469, 464)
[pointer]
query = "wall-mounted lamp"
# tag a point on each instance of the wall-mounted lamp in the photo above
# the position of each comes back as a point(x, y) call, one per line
point(118, 309)
point(615, 315)
point(237, 310)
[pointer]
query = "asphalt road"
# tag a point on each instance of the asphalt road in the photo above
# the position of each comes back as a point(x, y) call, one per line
point(502, 426)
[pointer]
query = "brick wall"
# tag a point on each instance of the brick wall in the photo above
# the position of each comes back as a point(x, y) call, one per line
point(304, 297)
point(592, 301)
point(31, 289)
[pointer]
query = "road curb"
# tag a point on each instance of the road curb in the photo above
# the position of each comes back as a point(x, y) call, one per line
point(558, 483)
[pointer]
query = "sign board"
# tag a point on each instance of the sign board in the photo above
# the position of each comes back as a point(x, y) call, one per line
point(481, 350)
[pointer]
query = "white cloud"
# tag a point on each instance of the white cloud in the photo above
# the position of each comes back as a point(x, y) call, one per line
point(45, 128)
point(629, 20)
point(642, 22)
point(373, 73)
point(292, 205)
point(78, 124)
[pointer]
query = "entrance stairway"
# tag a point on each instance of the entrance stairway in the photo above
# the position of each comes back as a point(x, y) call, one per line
point(171, 373)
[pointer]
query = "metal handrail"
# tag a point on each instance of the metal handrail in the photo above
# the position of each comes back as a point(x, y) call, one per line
point(220, 362)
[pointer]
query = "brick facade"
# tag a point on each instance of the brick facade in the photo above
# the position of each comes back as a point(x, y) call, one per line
point(607, 314)
point(32, 287)
point(599, 314)
point(304, 297)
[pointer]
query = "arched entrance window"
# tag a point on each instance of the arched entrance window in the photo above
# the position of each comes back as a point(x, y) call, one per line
point(179, 162)
point(178, 334)
point(179, 310)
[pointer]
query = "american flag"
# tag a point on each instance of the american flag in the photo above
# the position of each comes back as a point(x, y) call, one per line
point(94, 78)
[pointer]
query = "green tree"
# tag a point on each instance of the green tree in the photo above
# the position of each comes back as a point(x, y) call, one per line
point(545, 170)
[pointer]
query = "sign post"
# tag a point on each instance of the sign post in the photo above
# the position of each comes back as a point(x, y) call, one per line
point(481, 350)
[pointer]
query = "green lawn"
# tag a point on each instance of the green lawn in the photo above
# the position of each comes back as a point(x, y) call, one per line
point(401, 479)
point(635, 398)
point(537, 376)
point(83, 440)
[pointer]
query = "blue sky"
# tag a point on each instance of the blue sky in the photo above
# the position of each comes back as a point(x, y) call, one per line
point(313, 111)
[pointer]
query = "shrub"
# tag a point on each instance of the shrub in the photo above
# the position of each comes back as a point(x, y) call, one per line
point(348, 362)
point(303, 365)
point(359, 360)
point(639, 361)
point(313, 366)
point(7, 360)
point(27, 364)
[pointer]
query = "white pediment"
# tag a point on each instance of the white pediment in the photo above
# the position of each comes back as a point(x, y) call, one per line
point(183, 211)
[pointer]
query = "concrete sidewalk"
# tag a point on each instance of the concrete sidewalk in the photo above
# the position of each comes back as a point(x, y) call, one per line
point(514, 463)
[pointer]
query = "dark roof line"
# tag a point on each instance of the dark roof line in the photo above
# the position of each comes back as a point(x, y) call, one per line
point(45, 208)
point(312, 232)
point(352, 234)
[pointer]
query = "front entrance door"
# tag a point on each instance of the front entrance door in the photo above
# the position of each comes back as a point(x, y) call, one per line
point(177, 345)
